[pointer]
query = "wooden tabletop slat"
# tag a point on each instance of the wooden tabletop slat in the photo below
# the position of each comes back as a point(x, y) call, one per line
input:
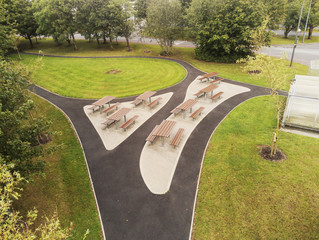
point(119, 114)
point(212, 74)
point(146, 95)
point(165, 128)
point(209, 88)
point(103, 100)
point(187, 104)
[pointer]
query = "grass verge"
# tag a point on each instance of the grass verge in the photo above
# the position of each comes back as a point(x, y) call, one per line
point(66, 186)
point(98, 77)
point(230, 71)
point(242, 196)
point(277, 40)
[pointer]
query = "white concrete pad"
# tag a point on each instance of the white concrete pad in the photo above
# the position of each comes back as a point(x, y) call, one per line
point(157, 162)
point(112, 136)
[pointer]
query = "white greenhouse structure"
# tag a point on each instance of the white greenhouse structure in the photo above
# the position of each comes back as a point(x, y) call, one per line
point(314, 68)
point(302, 108)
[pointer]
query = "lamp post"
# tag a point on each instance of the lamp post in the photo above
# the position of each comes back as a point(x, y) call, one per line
point(304, 34)
point(297, 33)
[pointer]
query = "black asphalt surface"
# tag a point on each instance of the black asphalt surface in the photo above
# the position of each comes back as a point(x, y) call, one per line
point(129, 211)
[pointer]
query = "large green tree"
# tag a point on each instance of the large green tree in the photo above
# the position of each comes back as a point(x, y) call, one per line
point(233, 31)
point(314, 17)
point(6, 31)
point(20, 133)
point(163, 22)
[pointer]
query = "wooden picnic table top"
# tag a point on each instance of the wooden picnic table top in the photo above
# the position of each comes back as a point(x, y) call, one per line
point(165, 128)
point(104, 100)
point(187, 104)
point(119, 114)
point(146, 95)
point(212, 74)
point(209, 88)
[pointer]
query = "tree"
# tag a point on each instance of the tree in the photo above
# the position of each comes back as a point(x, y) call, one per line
point(126, 26)
point(13, 226)
point(292, 17)
point(229, 35)
point(6, 32)
point(314, 17)
point(57, 18)
point(141, 7)
point(270, 68)
point(20, 133)
point(163, 22)
point(276, 11)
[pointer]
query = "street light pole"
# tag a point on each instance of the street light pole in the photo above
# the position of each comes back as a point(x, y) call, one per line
point(304, 34)
point(298, 30)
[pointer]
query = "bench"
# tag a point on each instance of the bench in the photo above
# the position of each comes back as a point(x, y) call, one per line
point(111, 108)
point(217, 80)
point(129, 122)
point(177, 138)
point(156, 101)
point(199, 94)
point(152, 137)
point(196, 113)
point(203, 79)
point(216, 96)
point(137, 102)
point(108, 122)
point(175, 111)
point(93, 108)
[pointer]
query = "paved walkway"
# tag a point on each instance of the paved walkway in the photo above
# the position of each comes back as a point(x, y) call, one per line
point(128, 209)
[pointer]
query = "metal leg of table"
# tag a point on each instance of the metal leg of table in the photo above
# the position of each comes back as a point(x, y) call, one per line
point(184, 114)
point(162, 141)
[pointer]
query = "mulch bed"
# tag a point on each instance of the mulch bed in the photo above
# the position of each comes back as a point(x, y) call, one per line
point(264, 152)
point(254, 72)
point(113, 71)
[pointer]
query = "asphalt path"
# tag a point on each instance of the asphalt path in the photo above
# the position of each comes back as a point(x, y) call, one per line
point(128, 209)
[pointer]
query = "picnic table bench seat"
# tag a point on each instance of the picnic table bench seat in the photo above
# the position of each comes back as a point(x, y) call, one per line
point(129, 122)
point(108, 122)
point(218, 80)
point(112, 108)
point(176, 110)
point(137, 102)
point(216, 96)
point(177, 138)
point(94, 107)
point(156, 101)
point(152, 136)
point(199, 94)
point(196, 113)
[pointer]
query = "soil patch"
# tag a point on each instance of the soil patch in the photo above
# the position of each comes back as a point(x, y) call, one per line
point(264, 152)
point(254, 72)
point(114, 71)
point(44, 138)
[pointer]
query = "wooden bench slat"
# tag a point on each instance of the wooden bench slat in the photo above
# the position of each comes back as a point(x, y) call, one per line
point(217, 80)
point(199, 94)
point(176, 110)
point(129, 122)
point(112, 107)
point(152, 104)
point(108, 122)
point(137, 102)
point(177, 137)
point(217, 95)
point(151, 137)
point(197, 112)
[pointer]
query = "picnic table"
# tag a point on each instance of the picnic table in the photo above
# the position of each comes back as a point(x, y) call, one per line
point(143, 97)
point(207, 76)
point(208, 89)
point(116, 117)
point(185, 106)
point(99, 103)
point(164, 129)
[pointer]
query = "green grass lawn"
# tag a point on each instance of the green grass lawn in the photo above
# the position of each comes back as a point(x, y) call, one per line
point(66, 185)
point(90, 77)
point(275, 40)
point(230, 71)
point(242, 196)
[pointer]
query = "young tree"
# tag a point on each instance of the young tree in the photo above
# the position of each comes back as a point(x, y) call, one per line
point(6, 33)
point(229, 35)
point(19, 131)
point(13, 226)
point(292, 18)
point(270, 68)
point(314, 17)
point(163, 22)
point(126, 25)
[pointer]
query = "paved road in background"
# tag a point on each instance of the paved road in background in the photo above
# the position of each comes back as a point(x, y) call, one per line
point(304, 52)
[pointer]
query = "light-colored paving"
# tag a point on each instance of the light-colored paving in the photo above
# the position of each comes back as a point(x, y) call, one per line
point(157, 162)
point(112, 136)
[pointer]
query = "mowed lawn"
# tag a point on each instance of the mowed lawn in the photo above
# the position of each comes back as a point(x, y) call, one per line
point(97, 77)
point(65, 186)
point(242, 196)
point(231, 71)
